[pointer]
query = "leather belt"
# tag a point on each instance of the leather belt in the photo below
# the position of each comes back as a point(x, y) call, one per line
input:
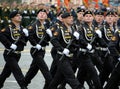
point(43, 48)
point(17, 52)
point(82, 50)
point(70, 55)
point(101, 48)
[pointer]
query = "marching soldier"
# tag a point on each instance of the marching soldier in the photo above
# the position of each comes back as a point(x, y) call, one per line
point(87, 71)
point(114, 51)
point(14, 38)
point(62, 38)
point(97, 23)
point(39, 37)
point(108, 31)
point(56, 25)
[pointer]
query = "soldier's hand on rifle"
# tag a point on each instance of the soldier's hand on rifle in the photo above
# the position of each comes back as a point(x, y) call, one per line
point(48, 31)
point(66, 51)
point(89, 46)
point(76, 35)
point(38, 47)
point(99, 33)
point(13, 46)
point(25, 31)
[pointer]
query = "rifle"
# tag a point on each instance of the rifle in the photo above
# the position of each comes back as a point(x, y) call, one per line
point(63, 55)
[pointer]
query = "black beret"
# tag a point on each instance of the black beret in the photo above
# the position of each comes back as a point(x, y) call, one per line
point(110, 13)
point(59, 13)
point(66, 14)
point(42, 10)
point(99, 12)
point(80, 10)
point(13, 14)
point(88, 12)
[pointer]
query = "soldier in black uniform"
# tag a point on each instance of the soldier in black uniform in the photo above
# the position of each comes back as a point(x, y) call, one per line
point(87, 71)
point(97, 23)
point(108, 31)
point(14, 38)
point(39, 38)
point(115, 52)
point(53, 28)
point(61, 39)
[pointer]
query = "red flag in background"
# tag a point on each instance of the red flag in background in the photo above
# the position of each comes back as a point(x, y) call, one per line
point(96, 3)
point(66, 2)
point(105, 2)
point(85, 2)
point(58, 3)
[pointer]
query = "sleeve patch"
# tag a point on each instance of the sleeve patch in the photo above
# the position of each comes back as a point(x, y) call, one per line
point(113, 38)
point(55, 33)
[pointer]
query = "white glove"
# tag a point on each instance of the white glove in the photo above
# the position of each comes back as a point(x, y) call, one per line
point(26, 32)
point(66, 51)
point(9, 21)
point(13, 46)
point(89, 46)
point(119, 59)
point(48, 31)
point(98, 32)
point(76, 35)
point(2, 21)
point(38, 47)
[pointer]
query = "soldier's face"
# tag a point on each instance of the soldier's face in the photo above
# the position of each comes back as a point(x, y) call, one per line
point(109, 19)
point(99, 18)
point(88, 18)
point(68, 20)
point(42, 15)
point(17, 18)
point(80, 15)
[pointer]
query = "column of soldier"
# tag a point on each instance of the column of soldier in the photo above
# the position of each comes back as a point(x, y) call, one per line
point(82, 39)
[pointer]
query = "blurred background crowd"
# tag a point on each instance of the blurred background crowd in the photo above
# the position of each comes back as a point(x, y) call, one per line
point(29, 8)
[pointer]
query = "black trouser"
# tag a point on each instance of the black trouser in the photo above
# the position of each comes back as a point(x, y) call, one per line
point(107, 68)
point(96, 59)
point(53, 68)
point(87, 71)
point(38, 63)
point(65, 73)
point(12, 66)
point(114, 78)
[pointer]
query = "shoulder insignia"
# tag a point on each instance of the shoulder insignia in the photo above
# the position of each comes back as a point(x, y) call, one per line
point(55, 33)
point(3, 30)
point(113, 38)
